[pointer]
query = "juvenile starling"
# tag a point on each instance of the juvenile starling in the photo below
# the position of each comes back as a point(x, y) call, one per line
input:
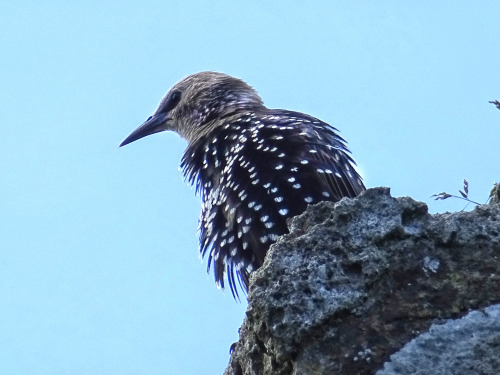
point(254, 167)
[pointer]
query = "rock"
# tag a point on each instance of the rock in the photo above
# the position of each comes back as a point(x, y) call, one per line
point(467, 346)
point(355, 281)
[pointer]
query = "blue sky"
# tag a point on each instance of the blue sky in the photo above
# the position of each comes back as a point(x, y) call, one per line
point(99, 270)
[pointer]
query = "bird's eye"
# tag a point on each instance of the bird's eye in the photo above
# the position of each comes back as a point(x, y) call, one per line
point(172, 101)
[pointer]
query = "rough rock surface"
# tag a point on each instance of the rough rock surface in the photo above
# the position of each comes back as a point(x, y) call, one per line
point(467, 346)
point(355, 282)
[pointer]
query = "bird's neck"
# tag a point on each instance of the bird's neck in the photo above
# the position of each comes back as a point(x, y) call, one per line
point(227, 116)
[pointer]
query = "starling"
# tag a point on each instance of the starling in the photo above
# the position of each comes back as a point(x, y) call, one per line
point(254, 167)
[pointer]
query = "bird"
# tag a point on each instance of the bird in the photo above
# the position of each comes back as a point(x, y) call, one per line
point(254, 168)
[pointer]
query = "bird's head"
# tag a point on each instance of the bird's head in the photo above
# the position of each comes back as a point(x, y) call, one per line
point(194, 106)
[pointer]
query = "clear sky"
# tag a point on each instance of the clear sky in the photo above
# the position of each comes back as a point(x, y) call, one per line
point(99, 270)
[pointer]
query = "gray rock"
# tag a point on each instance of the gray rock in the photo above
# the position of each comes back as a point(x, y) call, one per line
point(467, 346)
point(356, 281)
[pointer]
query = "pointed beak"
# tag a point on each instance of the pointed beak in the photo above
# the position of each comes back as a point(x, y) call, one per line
point(155, 124)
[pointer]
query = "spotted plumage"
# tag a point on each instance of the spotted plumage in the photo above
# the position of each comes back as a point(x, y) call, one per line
point(254, 167)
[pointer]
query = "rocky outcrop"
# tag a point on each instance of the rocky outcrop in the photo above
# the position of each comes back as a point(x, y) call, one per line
point(376, 283)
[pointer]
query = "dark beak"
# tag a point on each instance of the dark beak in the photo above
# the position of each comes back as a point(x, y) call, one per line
point(155, 124)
